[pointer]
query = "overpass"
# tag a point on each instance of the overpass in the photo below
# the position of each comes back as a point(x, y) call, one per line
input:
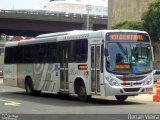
point(35, 22)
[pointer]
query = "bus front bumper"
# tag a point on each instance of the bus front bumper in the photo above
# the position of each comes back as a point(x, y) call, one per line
point(123, 90)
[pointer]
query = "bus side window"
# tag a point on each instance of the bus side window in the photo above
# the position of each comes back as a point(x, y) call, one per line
point(9, 55)
point(52, 53)
point(28, 57)
point(81, 48)
point(18, 54)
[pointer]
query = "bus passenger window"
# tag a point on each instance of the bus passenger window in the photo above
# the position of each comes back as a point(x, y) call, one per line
point(80, 48)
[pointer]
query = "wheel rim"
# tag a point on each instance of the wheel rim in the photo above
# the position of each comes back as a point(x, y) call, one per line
point(82, 91)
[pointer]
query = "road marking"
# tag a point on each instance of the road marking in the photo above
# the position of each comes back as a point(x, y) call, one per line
point(11, 103)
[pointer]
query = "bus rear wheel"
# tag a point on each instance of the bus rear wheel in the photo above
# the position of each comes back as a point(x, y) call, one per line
point(82, 95)
point(29, 87)
point(121, 98)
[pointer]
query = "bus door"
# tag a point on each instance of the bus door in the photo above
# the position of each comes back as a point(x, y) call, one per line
point(95, 68)
point(64, 68)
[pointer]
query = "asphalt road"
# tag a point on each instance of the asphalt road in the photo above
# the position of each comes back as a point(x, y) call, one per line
point(15, 103)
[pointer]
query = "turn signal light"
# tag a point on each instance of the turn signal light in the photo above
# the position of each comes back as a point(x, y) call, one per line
point(82, 67)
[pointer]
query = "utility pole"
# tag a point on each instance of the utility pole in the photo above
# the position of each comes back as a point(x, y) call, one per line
point(13, 5)
point(88, 9)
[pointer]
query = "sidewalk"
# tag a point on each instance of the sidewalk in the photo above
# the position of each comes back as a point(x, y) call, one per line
point(143, 97)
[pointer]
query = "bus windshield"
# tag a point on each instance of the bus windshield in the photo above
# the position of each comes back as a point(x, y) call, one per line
point(129, 58)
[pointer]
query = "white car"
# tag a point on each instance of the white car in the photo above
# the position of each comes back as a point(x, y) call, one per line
point(156, 75)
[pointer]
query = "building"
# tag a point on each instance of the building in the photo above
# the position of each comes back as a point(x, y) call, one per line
point(122, 10)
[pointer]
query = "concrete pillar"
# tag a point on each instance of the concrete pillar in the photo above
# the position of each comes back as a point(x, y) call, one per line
point(84, 27)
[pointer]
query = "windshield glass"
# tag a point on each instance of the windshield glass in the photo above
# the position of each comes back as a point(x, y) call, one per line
point(128, 57)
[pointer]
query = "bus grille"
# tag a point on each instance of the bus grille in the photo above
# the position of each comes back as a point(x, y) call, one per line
point(129, 84)
point(130, 78)
point(131, 89)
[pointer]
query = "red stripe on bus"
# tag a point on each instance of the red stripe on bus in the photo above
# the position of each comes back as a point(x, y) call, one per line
point(124, 80)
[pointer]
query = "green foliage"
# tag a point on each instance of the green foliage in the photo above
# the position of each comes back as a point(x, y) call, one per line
point(128, 25)
point(151, 20)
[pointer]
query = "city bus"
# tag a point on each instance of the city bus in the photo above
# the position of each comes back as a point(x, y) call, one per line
point(83, 63)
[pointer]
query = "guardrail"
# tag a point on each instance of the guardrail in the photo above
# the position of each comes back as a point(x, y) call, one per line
point(49, 13)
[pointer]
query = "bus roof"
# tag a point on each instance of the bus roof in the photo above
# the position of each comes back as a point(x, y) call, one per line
point(73, 32)
point(53, 37)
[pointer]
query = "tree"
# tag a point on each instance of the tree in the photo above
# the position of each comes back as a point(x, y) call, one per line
point(151, 20)
point(128, 25)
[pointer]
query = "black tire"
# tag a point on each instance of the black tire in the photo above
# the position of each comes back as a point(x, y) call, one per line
point(29, 87)
point(61, 94)
point(121, 98)
point(37, 92)
point(82, 95)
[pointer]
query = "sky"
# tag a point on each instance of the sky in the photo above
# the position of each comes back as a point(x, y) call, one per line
point(21, 4)
point(24, 4)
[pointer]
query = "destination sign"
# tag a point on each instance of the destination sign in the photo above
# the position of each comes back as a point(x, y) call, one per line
point(128, 36)
point(122, 66)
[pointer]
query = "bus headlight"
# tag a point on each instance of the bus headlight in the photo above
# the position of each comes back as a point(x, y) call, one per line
point(112, 81)
point(148, 81)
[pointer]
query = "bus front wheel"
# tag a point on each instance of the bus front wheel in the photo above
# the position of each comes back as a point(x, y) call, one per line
point(121, 98)
point(82, 95)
